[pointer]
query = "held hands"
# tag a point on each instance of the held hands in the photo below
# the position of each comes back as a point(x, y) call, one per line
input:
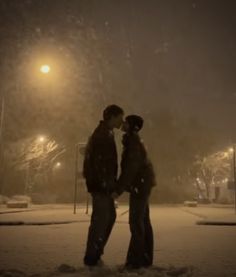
point(115, 194)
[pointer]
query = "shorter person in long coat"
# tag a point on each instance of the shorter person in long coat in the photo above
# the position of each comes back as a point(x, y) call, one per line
point(137, 177)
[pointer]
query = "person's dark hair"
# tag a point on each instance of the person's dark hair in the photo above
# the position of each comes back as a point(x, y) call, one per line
point(135, 122)
point(112, 111)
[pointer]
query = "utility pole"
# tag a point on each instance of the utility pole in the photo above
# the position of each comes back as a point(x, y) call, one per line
point(76, 175)
point(1, 142)
point(234, 174)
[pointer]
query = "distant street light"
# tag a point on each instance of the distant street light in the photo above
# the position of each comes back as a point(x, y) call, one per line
point(58, 164)
point(41, 139)
point(45, 69)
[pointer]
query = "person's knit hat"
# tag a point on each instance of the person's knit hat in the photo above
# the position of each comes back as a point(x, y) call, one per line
point(135, 122)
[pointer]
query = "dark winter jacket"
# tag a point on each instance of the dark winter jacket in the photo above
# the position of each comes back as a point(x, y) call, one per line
point(100, 163)
point(137, 175)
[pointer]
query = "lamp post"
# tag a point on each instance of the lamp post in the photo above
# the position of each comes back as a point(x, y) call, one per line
point(234, 173)
point(1, 142)
point(79, 149)
point(1, 123)
point(233, 151)
point(76, 175)
point(2, 117)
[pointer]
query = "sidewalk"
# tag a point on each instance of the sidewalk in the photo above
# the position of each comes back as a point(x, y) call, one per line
point(32, 207)
point(50, 214)
point(43, 215)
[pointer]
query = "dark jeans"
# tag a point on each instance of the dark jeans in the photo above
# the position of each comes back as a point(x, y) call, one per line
point(102, 221)
point(140, 252)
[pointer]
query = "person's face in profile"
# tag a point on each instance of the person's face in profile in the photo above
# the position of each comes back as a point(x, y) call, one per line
point(117, 121)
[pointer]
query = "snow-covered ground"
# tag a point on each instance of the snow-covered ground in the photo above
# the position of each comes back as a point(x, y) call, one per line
point(182, 248)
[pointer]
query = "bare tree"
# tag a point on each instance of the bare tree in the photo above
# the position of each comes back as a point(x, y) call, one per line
point(36, 158)
point(212, 169)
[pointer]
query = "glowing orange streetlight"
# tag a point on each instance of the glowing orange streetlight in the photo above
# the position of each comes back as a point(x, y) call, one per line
point(45, 68)
point(58, 164)
point(41, 139)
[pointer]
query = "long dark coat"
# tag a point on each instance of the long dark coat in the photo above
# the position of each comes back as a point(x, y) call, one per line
point(100, 162)
point(137, 174)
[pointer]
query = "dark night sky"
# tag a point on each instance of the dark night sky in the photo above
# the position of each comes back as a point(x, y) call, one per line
point(152, 54)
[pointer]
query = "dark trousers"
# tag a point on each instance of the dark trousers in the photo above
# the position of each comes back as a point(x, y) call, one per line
point(140, 252)
point(102, 221)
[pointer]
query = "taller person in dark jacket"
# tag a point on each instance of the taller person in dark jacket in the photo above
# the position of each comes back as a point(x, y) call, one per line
point(137, 177)
point(100, 172)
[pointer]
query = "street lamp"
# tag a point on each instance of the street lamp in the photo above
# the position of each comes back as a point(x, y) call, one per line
point(58, 164)
point(45, 68)
point(41, 139)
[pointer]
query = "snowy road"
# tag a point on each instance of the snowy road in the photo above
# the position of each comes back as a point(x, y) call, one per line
point(179, 242)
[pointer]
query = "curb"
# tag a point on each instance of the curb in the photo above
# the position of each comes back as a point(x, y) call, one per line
point(216, 223)
point(41, 223)
point(20, 223)
point(17, 211)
